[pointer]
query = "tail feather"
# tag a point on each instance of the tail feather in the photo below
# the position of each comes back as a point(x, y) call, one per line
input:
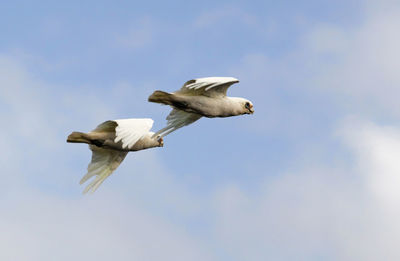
point(161, 97)
point(78, 137)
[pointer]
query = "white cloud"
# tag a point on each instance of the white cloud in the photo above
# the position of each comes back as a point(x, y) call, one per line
point(337, 209)
point(342, 211)
point(345, 208)
point(37, 117)
point(334, 68)
point(358, 64)
point(39, 227)
point(40, 221)
point(378, 150)
point(321, 212)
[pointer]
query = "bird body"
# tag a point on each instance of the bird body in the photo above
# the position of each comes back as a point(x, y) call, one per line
point(200, 97)
point(108, 136)
point(205, 106)
point(106, 140)
point(110, 142)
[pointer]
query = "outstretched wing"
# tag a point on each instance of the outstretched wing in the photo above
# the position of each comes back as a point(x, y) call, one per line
point(177, 119)
point(103, 164)
point(129, 131)
point(209, 86)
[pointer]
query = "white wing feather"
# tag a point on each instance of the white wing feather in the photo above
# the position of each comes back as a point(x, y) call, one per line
point(177, 119)
point(211, 86)
point(129, 131)
point(103, 164)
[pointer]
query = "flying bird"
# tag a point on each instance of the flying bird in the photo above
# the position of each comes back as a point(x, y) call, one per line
point(200, 97)
point(110, 142)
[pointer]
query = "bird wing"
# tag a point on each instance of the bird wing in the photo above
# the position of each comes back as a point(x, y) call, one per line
point(177, 119)
point(107, 126)
point(129, 131)
point(209, 86)
point(103, 164)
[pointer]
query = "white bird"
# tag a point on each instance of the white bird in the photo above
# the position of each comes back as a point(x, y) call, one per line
point(200, 97)
point(110, 142)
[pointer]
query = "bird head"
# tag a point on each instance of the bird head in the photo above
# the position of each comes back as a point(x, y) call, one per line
point(156, 140)
point(248, 107)
point(241, 106)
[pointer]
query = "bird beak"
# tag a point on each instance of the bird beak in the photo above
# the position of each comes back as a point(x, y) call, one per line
point(251, 110)
point(161, 142)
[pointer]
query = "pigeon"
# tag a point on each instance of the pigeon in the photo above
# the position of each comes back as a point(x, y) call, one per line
point(110, 142)
point(200, 97)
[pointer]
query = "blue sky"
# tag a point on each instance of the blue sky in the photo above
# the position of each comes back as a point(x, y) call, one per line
point(312, 175)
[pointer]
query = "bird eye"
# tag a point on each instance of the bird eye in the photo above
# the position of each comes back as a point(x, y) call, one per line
point(247, 105)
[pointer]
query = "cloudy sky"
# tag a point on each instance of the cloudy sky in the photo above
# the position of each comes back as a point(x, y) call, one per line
point(314, 174)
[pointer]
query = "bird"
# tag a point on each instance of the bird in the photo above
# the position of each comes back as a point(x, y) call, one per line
point(110, 142)
point(200, 97)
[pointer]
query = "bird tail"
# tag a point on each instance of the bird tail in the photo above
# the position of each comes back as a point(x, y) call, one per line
point(78, 137)
point(161, 97)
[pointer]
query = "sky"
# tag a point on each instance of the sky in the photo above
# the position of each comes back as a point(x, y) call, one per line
point(312, 175)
